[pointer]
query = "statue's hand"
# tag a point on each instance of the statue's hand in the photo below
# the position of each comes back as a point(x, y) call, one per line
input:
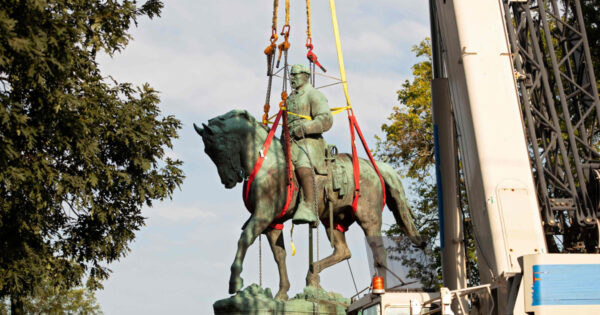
point(297, 132)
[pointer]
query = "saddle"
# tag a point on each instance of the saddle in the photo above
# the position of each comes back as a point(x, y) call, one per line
point(335, 184)
point(333, 180)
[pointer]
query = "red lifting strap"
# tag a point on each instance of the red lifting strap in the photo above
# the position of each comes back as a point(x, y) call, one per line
point(356, 167)
point(258, 165)
point(338, 226)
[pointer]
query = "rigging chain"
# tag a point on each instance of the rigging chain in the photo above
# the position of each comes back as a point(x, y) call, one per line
point(285, 32)
point(270, 52)
point(312, 58)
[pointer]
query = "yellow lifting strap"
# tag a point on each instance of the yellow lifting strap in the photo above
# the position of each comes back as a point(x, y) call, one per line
point(334, 111)
point(301, 116)
point(285, 31)
point(337, 110)
point(287, 12)
point(308, 35)
point(275, 5)
point(338, 46)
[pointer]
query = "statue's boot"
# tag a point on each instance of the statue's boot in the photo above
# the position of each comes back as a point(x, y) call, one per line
point(305, 213)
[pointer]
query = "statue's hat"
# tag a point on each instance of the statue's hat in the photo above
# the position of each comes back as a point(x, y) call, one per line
point(300, 69)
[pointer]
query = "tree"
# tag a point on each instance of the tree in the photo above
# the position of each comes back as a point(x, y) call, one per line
point(49, 300)
point(80, 154)
point(409, 146)
point(591, 16)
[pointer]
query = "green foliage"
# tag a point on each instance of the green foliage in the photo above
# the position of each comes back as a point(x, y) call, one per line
point(49, 300)
point(80, 154)
point(591, 16)
point(409, 146)
point(409, 137)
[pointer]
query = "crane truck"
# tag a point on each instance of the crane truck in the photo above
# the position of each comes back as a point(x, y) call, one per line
point(517, 117)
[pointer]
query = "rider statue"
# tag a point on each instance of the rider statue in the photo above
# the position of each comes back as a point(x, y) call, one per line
point(308, 118)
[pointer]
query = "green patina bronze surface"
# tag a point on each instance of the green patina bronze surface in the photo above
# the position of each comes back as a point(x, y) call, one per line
point(255, 300)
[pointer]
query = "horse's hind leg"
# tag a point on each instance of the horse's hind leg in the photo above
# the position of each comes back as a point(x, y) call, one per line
point(340, 252)
point(375, 241)
point(277, 247)
point(368, 216)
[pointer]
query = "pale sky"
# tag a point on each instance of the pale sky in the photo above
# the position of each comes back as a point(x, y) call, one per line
point(206, 58)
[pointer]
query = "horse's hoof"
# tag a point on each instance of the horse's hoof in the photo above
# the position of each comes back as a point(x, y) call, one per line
point(281, 296)
point(313, 280)
point(235, 285)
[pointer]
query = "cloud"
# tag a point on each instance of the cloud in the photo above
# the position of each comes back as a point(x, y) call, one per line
point(179, 212)
point(370, 44)
point(192, 82)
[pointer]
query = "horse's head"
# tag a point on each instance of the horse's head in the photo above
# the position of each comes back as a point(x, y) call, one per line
point(223, 144)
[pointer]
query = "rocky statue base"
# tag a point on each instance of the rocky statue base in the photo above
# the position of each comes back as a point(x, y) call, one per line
point(255, 300)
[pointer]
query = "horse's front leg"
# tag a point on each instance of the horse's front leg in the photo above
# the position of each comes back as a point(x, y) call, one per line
point(278, 248)
point(253, 228)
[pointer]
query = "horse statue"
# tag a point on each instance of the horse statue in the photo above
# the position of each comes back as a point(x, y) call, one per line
point(234, 141)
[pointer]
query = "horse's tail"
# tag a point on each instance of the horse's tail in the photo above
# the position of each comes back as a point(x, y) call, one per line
point(398, 204)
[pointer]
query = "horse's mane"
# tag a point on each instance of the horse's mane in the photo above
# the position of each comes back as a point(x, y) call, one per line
point(221, 121)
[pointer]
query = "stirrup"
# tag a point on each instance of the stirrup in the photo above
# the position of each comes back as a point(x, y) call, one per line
point(300, 217)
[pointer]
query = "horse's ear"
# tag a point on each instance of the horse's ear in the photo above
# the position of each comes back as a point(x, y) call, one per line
point(199, 130)
point(246, 114)
point(208, 130)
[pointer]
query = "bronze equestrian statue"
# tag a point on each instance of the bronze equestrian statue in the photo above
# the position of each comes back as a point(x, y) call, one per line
point(234, 141)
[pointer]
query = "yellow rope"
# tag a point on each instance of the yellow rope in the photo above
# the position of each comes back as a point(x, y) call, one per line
point(338, 46)
point(308, 19)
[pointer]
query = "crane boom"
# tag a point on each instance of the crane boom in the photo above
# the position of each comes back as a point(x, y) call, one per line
point(493, 150)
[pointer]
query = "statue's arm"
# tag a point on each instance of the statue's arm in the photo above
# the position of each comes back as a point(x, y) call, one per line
point(322, 120)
